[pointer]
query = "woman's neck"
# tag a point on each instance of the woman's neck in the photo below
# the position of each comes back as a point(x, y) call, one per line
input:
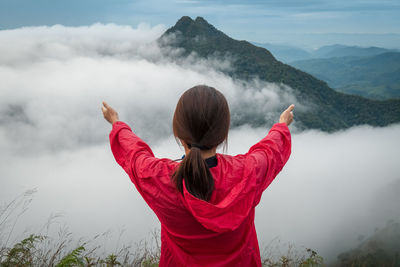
point(204, 153)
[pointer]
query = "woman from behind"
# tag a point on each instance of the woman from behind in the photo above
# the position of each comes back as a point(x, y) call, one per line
point(205, 203)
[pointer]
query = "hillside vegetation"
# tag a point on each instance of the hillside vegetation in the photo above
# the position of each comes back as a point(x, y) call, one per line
point(380, 249)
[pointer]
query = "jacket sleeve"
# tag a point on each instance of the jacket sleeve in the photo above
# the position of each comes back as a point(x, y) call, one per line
point(269, 156)
point(138, 161)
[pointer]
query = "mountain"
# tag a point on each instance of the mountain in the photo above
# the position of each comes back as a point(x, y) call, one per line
point(330, 110)
point(349, 51)
point(286, 53)
point(374, 77)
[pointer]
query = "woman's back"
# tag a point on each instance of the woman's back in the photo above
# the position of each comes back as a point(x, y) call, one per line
point(195, 232)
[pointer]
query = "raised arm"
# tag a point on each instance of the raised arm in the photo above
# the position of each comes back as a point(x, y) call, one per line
point(272, 152)
point(149, 174)
point(130, 152)
point(128, 149)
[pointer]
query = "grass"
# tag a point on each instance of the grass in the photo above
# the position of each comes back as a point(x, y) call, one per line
point(62, 251)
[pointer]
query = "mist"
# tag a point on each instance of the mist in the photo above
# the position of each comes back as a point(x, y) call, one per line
point(53, 137)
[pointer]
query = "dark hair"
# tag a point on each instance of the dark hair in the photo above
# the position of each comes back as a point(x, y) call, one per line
point(201, 120)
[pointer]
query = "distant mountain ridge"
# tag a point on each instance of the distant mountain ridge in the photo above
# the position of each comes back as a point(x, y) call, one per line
point(333, 110)
point(286, 53)
point(289, 54)
point(375, 77)
point(349, 51)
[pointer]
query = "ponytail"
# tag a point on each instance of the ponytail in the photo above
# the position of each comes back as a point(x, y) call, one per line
point(196, 174)
point(201, 120)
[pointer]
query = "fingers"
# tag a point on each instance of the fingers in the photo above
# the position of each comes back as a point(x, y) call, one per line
point(290, 108)
point(287, 115)
point(106, 105)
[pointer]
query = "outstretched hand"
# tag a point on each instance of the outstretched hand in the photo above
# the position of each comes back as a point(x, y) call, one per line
point(287, 115)
point(109, 113)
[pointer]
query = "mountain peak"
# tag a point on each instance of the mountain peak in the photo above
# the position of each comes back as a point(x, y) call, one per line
point(192, 28)
point(183, 22)
point(201, 20)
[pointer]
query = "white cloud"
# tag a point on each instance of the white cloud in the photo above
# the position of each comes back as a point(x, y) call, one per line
point(54, 79)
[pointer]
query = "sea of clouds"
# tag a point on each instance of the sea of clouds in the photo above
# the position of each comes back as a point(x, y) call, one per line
point(53, 137)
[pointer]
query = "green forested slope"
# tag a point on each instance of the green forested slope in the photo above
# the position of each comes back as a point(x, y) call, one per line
point(333, 110)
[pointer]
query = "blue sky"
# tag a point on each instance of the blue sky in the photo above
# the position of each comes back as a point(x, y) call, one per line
point(307, 23)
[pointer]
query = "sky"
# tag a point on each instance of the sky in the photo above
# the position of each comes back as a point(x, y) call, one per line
point(308, 24)
point(53, 138)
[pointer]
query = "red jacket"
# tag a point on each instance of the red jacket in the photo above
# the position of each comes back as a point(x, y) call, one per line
point(194, 232)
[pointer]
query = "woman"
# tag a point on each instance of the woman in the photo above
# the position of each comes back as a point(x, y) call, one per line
point(206, 202)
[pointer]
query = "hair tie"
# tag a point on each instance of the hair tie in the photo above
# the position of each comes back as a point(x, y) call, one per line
point(197, 145)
